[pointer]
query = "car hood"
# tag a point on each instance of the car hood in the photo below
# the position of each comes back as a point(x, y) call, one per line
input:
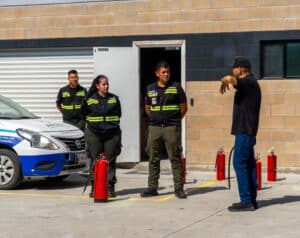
point(37, 125)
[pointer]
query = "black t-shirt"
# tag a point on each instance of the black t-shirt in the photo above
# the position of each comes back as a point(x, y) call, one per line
point(246, 106)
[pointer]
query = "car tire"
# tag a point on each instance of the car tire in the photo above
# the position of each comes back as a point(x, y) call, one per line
point(10, 169)
point(57, 178)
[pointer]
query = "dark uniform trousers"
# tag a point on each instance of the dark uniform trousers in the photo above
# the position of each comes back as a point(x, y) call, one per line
point(80, 123)
point(110, 145)
point(170, 137)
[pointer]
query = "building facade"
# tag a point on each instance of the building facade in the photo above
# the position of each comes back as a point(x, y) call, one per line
point(39, 43)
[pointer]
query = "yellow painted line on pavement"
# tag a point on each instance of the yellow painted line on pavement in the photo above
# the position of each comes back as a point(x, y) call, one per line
point(52, 195)
point(49, 195)
point(205, 185)
point(66, 196)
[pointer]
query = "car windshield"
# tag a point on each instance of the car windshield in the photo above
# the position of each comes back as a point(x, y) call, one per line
point(11, 110)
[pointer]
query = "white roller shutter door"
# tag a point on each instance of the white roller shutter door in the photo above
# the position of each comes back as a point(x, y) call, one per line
point(33, 77)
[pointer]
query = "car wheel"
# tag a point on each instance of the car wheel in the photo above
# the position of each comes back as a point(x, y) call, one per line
point(57, 178)
point(10, 170)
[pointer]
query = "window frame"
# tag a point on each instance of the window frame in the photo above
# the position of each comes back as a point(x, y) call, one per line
point(284, 44)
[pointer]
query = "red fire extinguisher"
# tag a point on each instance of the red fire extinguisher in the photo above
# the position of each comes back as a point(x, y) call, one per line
point(183, 161)
point(258, 173)
point(101, 179)
point(220, 164)
point(272, 165)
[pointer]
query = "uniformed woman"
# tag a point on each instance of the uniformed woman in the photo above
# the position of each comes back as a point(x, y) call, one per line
point(103, 134)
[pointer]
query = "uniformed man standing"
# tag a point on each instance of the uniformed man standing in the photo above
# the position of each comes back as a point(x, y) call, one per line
point(165, 105)
point(70, 99)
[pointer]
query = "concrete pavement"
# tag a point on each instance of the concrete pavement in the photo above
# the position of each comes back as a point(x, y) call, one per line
point(40, 208)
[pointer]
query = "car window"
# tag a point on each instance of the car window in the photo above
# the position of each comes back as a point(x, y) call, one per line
point(11, 110)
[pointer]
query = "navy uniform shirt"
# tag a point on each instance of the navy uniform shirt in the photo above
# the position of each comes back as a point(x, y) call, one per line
point(165, 103)
point(70, 100)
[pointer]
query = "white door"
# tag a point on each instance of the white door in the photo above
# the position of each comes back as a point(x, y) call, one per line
point(120, 65)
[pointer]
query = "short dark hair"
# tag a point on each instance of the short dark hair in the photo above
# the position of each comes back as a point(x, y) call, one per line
point(242, 63)
point(72, 71)
point(162, 64)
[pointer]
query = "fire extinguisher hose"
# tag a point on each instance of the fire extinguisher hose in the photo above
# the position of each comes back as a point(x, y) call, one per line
point(89, 177)
point(229, 163)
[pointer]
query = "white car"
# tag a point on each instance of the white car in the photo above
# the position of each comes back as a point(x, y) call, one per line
point(31, 146)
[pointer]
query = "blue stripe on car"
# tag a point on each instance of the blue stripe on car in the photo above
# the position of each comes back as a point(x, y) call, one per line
point(9, 131)
point(29, 162)
point(10, 141)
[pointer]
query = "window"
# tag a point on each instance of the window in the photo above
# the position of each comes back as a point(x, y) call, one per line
point(293, 60)
point(280, 59)
point(273, 60)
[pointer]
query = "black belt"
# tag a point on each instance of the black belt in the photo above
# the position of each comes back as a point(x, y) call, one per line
point(162, 125)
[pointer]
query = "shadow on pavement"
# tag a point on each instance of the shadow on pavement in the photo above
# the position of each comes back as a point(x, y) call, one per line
point(195, 191)
point(265, 188)
point(74, 181)
point(133, 191)
point(276, 201)
point(280, 179)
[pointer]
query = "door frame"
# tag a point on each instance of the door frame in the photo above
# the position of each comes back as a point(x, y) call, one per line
point(137, 45)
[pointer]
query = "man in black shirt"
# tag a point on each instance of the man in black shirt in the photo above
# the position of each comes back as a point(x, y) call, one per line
point(245, 122)
point(70, 99)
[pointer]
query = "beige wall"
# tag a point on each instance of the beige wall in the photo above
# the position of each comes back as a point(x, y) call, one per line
point(209, 121)
point(147, 17)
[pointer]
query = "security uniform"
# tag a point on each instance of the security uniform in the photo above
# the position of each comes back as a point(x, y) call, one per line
point(164, 130)
point(70, 101)
point(103, 133)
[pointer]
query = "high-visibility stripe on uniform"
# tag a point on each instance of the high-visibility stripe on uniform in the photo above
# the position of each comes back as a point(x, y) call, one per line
point(66, 107)
point(70, 107)
point(155, 108)
point(170, 108)
point(94, 119)
point(112, 118)
point(80, 94)
point(66, 94)
point(112, 101)
point(165, 108)
point(102, 119)
point(171, 91)
point(92, 101)
point(150, 94)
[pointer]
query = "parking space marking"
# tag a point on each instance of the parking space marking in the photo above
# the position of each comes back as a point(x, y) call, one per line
point(66, 196)
point(205, 185)
point(46, 195)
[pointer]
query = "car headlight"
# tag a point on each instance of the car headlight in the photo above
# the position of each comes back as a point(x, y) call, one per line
point(37, 140)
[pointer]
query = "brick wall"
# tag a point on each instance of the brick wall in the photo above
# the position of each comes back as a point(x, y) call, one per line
point(147, 17)
point(209, 121)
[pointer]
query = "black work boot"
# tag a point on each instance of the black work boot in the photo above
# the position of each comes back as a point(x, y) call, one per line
point(91, 195)
point(111, 192)
point(255, 205)
point(241, 207)
point(149, 192)
point(179, 193)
